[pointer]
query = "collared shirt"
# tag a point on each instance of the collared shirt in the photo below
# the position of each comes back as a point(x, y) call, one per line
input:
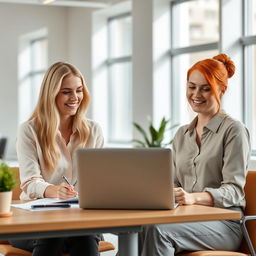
point(34, 176)
point(219, 165)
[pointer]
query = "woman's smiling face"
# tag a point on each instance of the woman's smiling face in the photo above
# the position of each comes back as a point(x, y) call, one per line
point(200, 96)
point(70, 96)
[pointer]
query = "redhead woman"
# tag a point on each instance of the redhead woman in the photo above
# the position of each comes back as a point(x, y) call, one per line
point(210, 157)
point(45, 147)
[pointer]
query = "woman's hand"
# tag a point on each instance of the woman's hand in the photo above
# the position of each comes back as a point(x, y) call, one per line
point(66, 191)
point(62, 191)
point(183, 197)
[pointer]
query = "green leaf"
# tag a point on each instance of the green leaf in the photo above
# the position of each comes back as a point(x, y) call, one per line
point(153, 133)
point(141, 130)
point(162, 130)
point(156, 135)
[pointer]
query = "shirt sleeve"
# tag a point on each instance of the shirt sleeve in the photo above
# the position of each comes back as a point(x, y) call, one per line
point(235, 159)
point(175, 178)
point(32, 182)
point(96, 139)
point(99, 138)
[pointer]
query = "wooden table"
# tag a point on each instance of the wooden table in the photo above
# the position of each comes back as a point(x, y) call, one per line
point(125, 223)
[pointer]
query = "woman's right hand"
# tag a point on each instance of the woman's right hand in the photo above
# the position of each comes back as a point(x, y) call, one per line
point(62, 191)
point(66, 191)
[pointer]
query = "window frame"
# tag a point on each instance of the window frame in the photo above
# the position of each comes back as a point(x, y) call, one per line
point(109, 63)
point(32, 74)
point(176, 51)
point(246, 41)
point(28, 77)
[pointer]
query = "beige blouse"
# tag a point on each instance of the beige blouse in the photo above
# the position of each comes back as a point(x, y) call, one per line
point(219, 166)
point(33, 174)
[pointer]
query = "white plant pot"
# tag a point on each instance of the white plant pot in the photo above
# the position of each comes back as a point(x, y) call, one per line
point(5, 201)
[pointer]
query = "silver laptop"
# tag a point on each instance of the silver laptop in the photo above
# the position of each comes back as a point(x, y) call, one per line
point(125, 178)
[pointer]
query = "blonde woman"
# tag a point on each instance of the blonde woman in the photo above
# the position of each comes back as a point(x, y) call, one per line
point(45, 147)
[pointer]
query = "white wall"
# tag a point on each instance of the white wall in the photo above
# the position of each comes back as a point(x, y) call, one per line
point(142, 60)
point(80, 42)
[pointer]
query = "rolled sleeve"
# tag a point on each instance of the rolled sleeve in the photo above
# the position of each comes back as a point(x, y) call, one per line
point(235, 159)
point(32, 182)
point(176, 183)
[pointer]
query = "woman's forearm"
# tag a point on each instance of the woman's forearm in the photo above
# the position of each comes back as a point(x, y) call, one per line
point(51, 191)
point(184, 198)
point(203, 198)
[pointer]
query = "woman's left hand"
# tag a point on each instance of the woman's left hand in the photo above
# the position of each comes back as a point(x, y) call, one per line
point(183, 197)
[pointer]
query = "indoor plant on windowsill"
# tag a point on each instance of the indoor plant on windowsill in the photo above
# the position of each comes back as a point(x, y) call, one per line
point(7, 183)
point(156, 138)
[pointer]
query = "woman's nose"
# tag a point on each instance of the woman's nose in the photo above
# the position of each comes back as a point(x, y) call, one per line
point(74, 96)
point(197, 92)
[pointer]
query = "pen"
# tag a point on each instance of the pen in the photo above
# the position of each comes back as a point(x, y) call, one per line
point(62, 205)
point(66, 180)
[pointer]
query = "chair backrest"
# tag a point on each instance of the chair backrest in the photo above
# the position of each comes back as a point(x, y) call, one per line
point(250, 194)
point(3, 142)
point(16, 191)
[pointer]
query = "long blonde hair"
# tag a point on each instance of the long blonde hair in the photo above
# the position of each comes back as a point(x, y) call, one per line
point(46, 115)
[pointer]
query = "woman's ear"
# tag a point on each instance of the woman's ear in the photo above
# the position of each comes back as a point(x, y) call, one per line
point(220, 93)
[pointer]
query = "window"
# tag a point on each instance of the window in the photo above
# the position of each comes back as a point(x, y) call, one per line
point(249, 17)
point(249, 44)
point(32, 66)
point(120, 78)
point(191, 15)
point(194, 36)
point(38, 66)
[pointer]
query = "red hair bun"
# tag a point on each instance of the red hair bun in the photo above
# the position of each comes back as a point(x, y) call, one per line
point(229, 64)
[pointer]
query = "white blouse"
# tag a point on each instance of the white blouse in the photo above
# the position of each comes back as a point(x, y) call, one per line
point(35, 178)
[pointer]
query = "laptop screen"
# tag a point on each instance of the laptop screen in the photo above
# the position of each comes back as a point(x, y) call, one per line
point(125, 178)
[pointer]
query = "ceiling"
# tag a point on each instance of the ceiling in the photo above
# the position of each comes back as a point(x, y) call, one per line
point(78, 3)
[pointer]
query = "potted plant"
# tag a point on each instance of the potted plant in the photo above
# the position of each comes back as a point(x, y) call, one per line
point(7, 183)
point(156, 137)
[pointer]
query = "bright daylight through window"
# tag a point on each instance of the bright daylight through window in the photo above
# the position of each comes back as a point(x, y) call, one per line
point(120, 78)
point(32, 66)
point(195, 35)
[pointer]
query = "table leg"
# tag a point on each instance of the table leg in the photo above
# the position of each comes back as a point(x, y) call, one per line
point(128, 244)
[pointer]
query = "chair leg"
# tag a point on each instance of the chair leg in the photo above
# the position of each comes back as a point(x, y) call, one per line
point(246, 234)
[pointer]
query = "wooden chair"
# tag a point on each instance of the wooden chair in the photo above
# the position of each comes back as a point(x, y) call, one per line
point(8, 250)
point(248, 224)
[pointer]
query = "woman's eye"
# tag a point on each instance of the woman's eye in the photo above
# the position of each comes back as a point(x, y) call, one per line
point(78, 91)
point(191, 87)
point(65, 92)
point(207, 89)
